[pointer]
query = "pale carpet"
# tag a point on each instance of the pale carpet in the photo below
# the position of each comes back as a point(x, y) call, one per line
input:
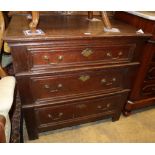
point(139, 127)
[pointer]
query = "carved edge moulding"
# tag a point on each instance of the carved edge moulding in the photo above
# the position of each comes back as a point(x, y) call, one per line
point(105, 19)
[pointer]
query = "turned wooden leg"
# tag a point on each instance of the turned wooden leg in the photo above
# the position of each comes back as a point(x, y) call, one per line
point(90, 14)
point(105, 19)
point(35, 20)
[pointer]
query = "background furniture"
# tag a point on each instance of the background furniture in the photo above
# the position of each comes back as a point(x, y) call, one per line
point(143, 92)
point(15, 112)
point(75, 72)
point(7, 85)
point(105, 19)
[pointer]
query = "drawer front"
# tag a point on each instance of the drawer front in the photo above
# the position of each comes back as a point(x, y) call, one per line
point(54, 57)
point(97, 106)
point(69, 84)
point(59, 114)
point(54, 114)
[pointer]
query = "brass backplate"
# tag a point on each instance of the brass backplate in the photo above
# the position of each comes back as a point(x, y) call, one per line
point(87, 52)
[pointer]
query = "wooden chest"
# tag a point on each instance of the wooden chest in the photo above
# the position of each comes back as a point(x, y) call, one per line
point(75, 73)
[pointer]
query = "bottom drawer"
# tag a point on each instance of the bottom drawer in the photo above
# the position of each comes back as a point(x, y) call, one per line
point(70, 112)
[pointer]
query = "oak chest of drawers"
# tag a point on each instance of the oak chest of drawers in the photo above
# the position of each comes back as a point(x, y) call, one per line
point(75, 73)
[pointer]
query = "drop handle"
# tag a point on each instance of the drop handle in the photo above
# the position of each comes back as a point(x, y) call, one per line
point(55, 118)
point(60, 57)
point(45, 57)
point(46, 86)
point(59, 86)
point(103, 108)
point(119, 55)
point(109, 54)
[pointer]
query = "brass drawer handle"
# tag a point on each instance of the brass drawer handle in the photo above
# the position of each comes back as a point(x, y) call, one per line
point(84, 78)
point(103, 108)
point(108, 105)
point(46, 86)
point(60, 57)
point(120, 53)
point(109, 54)
point(108, 84)
point(45, 57)
point(87, 52)
point(56, 118)
point(103, 80)
point(59, 86)
point(113, 79)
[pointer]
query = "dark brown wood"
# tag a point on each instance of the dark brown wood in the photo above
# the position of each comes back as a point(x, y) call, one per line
point(75, 73)
point(142, 94)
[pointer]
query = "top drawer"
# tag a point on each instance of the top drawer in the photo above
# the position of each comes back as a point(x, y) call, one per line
point(54, 57)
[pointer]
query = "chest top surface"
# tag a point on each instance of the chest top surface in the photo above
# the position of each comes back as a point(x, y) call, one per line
point(62, 27)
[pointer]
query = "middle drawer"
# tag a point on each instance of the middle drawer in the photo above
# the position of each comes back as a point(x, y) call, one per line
point(76, 83)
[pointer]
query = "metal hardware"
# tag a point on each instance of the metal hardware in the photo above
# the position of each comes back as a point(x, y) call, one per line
point(87, 52)
point(110, 83)
point(49, 116)
point(103, 80)
point(59, 85)
point(6, 47)
point(84, 78)
point(57, 118)
point(60, 114)
point(103, 108)
point(113, 79)
point(109, 54)
point(99, 106)
point(108, 105)
point(120, 53)
point(45, 57)
point(60, 57)
point(46, 86)
point(53, 91)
